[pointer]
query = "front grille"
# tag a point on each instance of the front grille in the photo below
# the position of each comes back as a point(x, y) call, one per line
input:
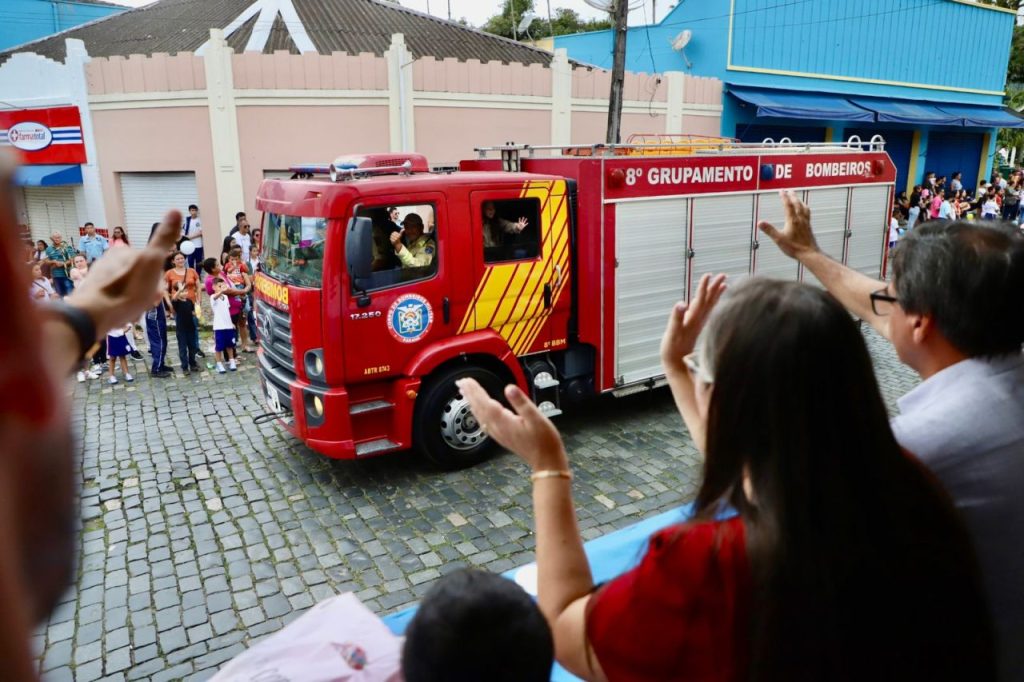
point(275, 329)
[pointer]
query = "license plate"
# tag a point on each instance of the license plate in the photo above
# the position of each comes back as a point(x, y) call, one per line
point(273, 400)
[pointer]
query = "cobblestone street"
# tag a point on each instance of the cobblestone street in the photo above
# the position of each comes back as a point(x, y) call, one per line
point(201, 532)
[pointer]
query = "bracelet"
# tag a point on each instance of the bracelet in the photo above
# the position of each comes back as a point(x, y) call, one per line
point(81, 324)
point(551, 473)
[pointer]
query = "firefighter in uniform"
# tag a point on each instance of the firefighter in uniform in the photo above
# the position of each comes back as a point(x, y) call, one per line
point(419, 252)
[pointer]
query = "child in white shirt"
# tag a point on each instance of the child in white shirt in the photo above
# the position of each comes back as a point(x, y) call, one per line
point(223, 327)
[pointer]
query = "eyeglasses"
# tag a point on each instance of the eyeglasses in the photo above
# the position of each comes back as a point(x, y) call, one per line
point(692, 362)
point(882, 302)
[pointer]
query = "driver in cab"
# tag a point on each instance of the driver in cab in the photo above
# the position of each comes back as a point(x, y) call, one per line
point(418, 251)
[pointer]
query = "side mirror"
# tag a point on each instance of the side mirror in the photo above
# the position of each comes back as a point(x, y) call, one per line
point(359, 254)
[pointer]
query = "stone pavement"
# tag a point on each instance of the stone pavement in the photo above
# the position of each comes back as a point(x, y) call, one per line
point(202, 532)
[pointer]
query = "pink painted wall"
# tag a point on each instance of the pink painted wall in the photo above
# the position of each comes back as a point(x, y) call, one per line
point(449, 134)
point(274, 138)
point(157, 140)
point(159, 73)
point(284, 71)
point(475, 77)
point(702, 125)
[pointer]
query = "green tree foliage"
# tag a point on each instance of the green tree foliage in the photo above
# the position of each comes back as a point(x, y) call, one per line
point(563, 21)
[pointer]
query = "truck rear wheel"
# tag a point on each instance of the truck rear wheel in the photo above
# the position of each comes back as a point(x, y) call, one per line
point(445, 429)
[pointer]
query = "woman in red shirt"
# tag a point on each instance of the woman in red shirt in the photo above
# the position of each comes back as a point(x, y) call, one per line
point(818, 551)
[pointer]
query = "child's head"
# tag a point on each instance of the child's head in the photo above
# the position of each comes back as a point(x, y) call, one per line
point(235, 254)
point(80, 262)
point(219, 285)
point(475, 625)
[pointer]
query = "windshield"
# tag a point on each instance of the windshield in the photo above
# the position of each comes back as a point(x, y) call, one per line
point(293, 249)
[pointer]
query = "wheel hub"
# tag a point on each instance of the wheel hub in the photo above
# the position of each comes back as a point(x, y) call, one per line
point(459, 427)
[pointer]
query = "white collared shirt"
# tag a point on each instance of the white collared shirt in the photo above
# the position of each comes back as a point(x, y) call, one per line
point(966, 423)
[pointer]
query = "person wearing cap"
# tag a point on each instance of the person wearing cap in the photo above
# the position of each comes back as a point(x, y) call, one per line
point(419, 252)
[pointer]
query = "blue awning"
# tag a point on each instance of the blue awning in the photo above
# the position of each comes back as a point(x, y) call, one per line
point(902, 111)
point(793, 104)
point(984, 117)
point(48, 176)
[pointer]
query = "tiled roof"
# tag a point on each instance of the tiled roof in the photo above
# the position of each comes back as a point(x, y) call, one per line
point(351, 26)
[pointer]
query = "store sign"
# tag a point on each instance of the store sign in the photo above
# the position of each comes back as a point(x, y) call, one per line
point(44, 136)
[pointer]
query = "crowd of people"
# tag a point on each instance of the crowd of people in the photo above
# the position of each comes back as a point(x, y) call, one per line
point(939, 198)
point(829, 541)
point(58, 268)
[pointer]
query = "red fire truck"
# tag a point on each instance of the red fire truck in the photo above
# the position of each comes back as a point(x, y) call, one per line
point(554, 272)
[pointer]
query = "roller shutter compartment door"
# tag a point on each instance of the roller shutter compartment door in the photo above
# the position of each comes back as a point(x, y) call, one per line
point(769, 261)
point(52, 209)
point(828, 217)
point(952, 152)
point(869, 228)
point(722, 236)
point(148, 196)
point(650, 277)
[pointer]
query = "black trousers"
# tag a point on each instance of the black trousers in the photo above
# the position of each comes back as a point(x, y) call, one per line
point(185, 333)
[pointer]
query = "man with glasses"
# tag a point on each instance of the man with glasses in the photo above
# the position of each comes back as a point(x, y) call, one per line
point(954, 314)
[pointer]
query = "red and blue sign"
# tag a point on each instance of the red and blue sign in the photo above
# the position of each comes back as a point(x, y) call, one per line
point(44, 136)
point(410, 318)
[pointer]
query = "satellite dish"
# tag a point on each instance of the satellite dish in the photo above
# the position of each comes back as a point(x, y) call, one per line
point(682, 40)
point(679, 44)
point(528, 18)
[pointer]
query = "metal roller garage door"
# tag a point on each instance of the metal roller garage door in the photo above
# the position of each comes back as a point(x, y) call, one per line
point(52, 209)
point(650, 246)
point(147, 196)
point(869, 227)
point(769, 261)
point(952, 152)
point(828, 216)
point(722, 236)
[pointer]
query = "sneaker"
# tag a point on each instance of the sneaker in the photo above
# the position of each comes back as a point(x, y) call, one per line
point(160, 374)
point(136, 354)
point(129, 378)
point(200, 353)
point(232, 365)
point(220, 368)
point(112, 380)
point(185, 371)
point(193, 368)
point(81, 377)
point(94, 374)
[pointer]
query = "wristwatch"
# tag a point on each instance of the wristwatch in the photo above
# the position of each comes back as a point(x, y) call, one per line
point(80, 322)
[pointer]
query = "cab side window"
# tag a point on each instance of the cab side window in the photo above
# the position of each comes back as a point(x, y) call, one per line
point(511, 229)
point(404, 243)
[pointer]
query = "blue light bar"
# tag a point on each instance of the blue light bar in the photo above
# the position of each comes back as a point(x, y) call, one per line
point(311, 169)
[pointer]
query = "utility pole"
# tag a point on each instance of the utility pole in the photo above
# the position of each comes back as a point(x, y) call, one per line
point(620, 13)
point(512, 13)
point(449, 10)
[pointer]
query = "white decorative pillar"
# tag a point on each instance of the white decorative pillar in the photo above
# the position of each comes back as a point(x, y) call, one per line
point(561, 98)
point(227, 155)
point(401, 119)
point(676, 96)
point(89, 196)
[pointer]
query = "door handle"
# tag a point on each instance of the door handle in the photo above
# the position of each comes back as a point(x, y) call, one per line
point(558, 274)
point(446, 309)
point(547, 295)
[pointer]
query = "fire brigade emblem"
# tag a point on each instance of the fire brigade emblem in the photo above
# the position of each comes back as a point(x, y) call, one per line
point(409, 318)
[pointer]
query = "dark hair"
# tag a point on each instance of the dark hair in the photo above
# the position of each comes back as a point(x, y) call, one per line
point(391, 209)
point(209, 265)
point(124, 235)
point(956, 174)
point(88, 224)
point(235, 252)
point(43, 242)
point(191, 206)
point(240, 214)
point(969, 277)
point(474, 625)
point(219, 280)
point(840, 516)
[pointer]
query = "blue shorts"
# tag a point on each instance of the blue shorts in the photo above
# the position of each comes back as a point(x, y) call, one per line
point(117, 346)
point(223, 339)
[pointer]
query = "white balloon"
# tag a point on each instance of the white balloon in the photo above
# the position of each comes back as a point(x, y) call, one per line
point(188, 248)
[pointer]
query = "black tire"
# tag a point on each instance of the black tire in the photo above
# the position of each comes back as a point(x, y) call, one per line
point(452, 440)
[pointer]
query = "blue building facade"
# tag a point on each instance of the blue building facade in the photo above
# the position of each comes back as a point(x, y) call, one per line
point(927, 75)
point(22, 21)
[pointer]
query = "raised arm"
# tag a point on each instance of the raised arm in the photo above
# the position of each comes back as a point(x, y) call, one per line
point(564, 582)
point(850, 287)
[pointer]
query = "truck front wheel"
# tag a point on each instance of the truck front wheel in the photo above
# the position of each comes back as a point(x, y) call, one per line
point(445, 429)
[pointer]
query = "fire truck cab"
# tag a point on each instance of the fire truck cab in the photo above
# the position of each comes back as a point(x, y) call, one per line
point(382, 283)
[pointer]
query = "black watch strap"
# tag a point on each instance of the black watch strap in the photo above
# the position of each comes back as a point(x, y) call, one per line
point(79, 321)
